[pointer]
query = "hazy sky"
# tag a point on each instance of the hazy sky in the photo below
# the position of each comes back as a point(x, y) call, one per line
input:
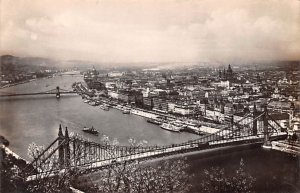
point(151, 30)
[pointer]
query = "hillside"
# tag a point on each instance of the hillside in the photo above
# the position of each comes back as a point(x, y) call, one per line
point(11, 64)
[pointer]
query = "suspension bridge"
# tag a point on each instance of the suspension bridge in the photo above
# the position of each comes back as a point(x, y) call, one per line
point(67, 152)
point(56, 91)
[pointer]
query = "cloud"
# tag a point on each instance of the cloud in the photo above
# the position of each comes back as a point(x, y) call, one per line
point(152, 30)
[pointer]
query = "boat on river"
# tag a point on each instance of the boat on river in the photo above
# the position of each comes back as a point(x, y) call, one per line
point(171, 127)
point(126, 111)
point(91, 130)
point(154, 121)
point(104, 107)
point(92, 103)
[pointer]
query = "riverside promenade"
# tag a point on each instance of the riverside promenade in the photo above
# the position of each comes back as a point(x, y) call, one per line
point(205, 128)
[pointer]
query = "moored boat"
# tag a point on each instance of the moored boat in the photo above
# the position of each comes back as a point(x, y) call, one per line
point(109, 105)
point(154, 121)
point(171, 127)
point(104, 107)
point(126, 111)
point(92, 103)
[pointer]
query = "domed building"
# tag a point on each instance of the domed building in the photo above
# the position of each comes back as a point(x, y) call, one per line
point(91, 77)
point(226, 74)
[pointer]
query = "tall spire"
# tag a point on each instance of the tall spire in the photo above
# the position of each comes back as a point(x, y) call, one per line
point(67, 148)
point(66, 133)
point(60, 147)
point(60, 131)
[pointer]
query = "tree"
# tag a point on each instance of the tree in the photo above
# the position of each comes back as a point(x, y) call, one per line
point(11, 180)
point(216, 180)
point(121, 175)
point(11, 167)
point(136, 177)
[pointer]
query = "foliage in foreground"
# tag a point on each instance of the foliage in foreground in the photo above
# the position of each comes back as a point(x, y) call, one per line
point(216, 180)
point(122, 177)
point(168, 176)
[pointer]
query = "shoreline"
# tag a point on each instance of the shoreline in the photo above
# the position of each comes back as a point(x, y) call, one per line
point(24, 82)
point(17, 83)
point(203, 130)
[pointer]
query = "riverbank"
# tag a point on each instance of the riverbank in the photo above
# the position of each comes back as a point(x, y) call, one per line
point(17, 83)
point(290, 147)
point(27, 81)
point(205, 128)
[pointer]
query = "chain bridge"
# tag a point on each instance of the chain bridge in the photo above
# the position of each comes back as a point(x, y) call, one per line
point(56, 91)
point(75, 152)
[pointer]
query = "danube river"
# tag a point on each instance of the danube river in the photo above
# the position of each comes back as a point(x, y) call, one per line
point(36, 119)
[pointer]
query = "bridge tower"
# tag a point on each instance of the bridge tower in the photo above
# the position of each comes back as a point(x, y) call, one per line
point(267, 144)
point(57, 92)
point(231, 123)
point(60, 147)
point(254, 120)
point(67, 148)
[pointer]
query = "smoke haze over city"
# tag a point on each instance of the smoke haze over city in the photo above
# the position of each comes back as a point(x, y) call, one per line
point(152, 31)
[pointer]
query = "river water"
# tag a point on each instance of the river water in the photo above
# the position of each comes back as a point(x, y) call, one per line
point(27, 119)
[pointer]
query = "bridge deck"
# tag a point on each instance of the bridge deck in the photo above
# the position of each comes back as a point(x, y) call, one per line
point(213, 144)
point(171, 150)
point(41, 93)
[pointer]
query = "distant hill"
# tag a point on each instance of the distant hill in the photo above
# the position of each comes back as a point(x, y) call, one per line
point(13, 64)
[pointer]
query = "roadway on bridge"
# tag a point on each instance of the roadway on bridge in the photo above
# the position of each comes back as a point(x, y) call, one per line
point(160, 152)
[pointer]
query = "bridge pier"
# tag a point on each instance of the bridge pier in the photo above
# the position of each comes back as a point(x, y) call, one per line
point(61, 154)
point(254, 131)
point(57, 92)
point(231, 123)
point(267, 143)
point(74, 152)
point(67, 149)
point(64, 156)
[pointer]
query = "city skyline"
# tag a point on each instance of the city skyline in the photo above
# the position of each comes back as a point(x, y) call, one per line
point(152, 31)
